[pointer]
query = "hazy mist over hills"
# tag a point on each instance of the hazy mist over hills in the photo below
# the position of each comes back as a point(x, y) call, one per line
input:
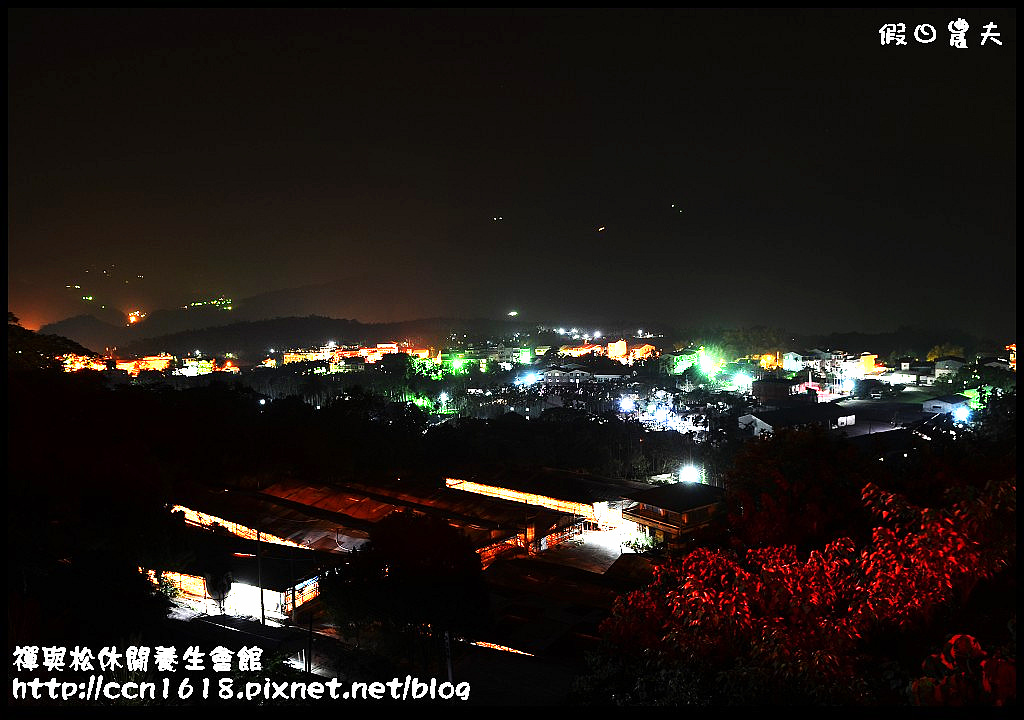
point(282, 320)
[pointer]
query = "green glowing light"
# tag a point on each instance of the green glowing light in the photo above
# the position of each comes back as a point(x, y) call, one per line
point(423, 403)
point(709, 364)
point(681, 365)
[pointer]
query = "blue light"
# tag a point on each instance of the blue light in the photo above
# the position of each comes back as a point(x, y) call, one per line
point(961, 414)
point(627, 405)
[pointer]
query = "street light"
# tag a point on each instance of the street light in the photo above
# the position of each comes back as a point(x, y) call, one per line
point(689, 473)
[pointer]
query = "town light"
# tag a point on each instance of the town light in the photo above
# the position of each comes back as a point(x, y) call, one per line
point(689, 473)
point(627, 405)
point(708, 364)
point(961, 414)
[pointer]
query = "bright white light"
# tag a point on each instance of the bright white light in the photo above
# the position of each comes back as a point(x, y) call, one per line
point(245, 600)
point(961, 414)
point(513, 313)
point(661, 414)
point(848, 385)
point(689, 473)
point(627, 405)
point(742, 380)
point(263, 401)
point(531, 379)
point(443, 397)
point(597, 334)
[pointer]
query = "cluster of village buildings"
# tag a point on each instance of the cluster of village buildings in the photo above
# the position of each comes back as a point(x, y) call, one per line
point(277, 537)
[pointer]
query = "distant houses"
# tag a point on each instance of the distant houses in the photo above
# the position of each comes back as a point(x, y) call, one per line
point(910, 371)
point(948, 365)
point(780, 392)
point(947, 404)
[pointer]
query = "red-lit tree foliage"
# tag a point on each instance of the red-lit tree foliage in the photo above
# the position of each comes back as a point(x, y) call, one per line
point(775, 626)
point(962, 673)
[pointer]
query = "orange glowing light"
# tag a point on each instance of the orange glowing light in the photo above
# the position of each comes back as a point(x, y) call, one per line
point(194, 517)
point(74, 363)
point(191, 586)
point(503, 648)
point(135, 316)
point(617, 350)
point(159, 363)
point(566, 506)
point(303, 594)
point(581, 350)
point(642, 352)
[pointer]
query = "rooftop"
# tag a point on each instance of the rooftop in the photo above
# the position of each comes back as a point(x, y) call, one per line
point(802, 414)
point(679, 497)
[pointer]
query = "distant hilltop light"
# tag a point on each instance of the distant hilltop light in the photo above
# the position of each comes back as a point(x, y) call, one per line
point(221, 303)
point(513, 313)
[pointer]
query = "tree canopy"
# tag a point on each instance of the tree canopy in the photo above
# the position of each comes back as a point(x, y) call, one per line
point(848, 623)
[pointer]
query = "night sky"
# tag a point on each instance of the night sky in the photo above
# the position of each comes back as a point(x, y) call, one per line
point(747, 167)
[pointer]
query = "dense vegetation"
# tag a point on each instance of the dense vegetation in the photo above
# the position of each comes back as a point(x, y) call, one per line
point(831, 586)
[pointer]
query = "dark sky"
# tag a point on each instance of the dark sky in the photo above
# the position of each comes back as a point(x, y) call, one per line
point(821, 181)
